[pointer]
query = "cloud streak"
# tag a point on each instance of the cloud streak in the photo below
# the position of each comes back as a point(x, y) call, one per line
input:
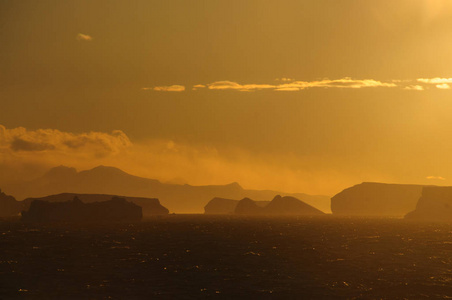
point(440, 83)
point(436, 80)
point(285, 84)
point(301, 85)
point(291, 85)
point(84, 37)
point(169, 88)
point(435, 178)
point(416, 87)
point(230, 85)
point(443, 86)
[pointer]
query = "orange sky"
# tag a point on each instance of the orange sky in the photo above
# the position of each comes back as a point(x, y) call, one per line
point(300, 96)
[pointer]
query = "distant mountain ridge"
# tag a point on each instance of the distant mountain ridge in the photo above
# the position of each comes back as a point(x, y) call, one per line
point(113, 181)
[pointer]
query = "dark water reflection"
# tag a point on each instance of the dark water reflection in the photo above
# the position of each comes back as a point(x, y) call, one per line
point(194, 256)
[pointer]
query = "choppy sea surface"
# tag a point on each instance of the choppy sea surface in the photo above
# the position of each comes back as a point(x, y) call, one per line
point(196, 256)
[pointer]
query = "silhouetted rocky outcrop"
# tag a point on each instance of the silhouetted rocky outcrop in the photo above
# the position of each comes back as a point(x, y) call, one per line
point(435, 204)
point(376, 199)
point(246, 206)
point(290, 206)
point(279, 206)
point(150, 206)
point(112, 181)
point(9, 207)
point(221, 206)
point(322, 203)
point(115, 210)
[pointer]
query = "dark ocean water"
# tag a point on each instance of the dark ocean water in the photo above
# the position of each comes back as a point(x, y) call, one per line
point(196, 256)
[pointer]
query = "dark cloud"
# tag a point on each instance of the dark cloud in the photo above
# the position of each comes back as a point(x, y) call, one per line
point(19, 144)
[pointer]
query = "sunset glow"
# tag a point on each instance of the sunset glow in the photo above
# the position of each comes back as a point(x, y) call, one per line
point(232, 149)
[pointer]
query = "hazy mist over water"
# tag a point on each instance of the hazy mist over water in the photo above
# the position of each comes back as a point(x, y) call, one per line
point(191, 256)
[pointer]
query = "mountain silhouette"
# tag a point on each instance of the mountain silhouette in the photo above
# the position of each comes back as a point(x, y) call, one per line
point(60, 171)
point(113, 181)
